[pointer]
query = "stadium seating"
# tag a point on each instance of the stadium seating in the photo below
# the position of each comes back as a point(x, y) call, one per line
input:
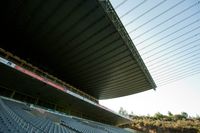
point(19, 117)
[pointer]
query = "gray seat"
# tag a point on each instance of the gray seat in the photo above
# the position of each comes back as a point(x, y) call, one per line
point(17, 118)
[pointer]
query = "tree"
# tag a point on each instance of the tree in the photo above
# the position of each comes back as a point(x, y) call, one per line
point(158, 115)
point(170, 114)
point(132, 113)
point(123, 112)
point(184, 115)
point(197, 117)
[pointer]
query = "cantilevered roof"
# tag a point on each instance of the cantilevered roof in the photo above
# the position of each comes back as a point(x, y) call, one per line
point(82, 42)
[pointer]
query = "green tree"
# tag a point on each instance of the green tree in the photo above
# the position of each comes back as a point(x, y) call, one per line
point(158, 115)
point(123, 112)
point(170, 114)
point(184, 114)
point(132, 113)
point(197, 117)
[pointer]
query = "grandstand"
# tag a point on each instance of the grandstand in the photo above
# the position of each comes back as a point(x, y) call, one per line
point(19, 117)
point(65, 55)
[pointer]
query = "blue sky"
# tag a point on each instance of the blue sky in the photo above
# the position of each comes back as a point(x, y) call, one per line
point(179, 96)
point(167, 36)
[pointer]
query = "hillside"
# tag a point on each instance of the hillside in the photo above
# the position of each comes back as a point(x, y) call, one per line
point(159, 123)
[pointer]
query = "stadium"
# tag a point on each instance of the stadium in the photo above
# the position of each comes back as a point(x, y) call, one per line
point(57, 59)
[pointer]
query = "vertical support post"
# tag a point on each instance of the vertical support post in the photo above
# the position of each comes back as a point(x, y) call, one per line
point(36, 101)
point(12, 95)
point(55, 107)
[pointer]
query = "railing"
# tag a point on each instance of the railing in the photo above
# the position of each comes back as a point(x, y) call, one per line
point(22, 63)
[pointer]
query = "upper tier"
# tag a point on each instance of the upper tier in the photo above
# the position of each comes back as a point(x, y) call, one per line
point(82, 42)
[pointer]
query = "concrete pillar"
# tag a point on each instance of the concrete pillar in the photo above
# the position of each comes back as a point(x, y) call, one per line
point(36, 101)
point(12, 95)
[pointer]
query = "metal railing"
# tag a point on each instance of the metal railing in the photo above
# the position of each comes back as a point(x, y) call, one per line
point(22, 63)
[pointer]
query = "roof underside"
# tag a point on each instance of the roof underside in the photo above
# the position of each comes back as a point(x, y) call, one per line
point(77, 42)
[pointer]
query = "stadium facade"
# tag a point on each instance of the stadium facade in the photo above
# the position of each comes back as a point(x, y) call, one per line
point(66, 55)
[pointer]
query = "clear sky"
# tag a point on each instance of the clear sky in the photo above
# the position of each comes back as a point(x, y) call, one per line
point(179, 96)
point(167, 35)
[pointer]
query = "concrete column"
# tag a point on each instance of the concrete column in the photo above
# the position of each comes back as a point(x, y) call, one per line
point(12, 95)
point(36, 101)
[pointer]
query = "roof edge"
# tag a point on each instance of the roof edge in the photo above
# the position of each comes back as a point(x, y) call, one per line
point(112, 15)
